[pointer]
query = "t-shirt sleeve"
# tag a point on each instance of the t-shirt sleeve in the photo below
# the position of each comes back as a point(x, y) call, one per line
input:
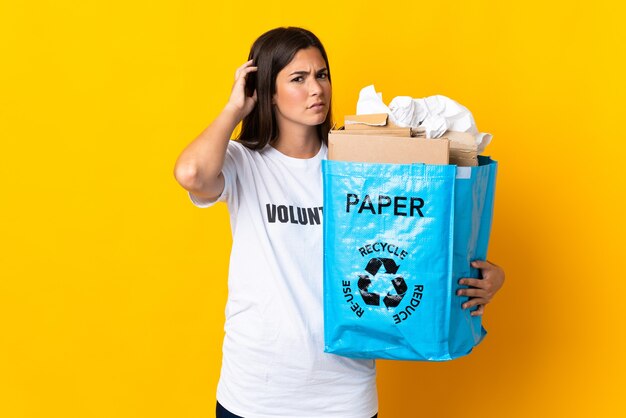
point(230, 173)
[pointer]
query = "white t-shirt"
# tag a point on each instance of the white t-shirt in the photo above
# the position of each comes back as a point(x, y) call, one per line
point(273, 361)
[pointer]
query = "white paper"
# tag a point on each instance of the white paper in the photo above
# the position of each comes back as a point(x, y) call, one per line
point(370, 102)
point(435, 114)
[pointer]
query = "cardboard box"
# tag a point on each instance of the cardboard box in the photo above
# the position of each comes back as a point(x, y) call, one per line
point(387, 149)
point(463, 156)
point(462, 149)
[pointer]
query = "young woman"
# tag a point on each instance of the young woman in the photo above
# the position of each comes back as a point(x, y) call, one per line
point(273, 361)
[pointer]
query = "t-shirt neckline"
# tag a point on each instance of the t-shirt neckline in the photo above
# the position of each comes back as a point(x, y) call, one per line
point(300, 162)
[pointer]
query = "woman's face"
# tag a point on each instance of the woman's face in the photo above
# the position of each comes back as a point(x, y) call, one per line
point(303, 91)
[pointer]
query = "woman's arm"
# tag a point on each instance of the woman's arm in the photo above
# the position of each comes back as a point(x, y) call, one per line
point(199, 167)
point(481, 291)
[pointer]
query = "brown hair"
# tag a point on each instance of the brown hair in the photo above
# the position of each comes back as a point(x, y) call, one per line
point(271, 52)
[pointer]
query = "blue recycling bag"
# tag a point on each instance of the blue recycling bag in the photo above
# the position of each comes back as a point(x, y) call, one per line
point(397, 238)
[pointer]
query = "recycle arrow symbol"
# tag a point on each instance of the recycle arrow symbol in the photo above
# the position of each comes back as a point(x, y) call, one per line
point(370, 298)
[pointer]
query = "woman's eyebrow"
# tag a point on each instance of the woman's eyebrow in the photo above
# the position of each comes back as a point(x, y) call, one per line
point(299, 72)
point(302, 72)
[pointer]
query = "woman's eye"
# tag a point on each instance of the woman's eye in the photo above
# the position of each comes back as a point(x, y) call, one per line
point(297, 79)
point(322, 75)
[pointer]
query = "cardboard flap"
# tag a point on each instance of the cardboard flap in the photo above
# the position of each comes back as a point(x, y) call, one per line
point(360, 121)
point(462, 139)
point(405, 132)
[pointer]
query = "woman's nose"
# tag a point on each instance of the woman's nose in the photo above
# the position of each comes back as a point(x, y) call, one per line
point(315, 88)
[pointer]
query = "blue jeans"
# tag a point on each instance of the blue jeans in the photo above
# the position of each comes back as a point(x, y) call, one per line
point(221, 412)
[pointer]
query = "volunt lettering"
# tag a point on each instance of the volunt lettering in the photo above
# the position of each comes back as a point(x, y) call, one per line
point(293, 214)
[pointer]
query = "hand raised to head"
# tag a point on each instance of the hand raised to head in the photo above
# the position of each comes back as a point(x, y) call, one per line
point(239, 102)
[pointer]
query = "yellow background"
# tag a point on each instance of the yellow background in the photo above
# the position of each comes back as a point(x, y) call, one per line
point(112, 285)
